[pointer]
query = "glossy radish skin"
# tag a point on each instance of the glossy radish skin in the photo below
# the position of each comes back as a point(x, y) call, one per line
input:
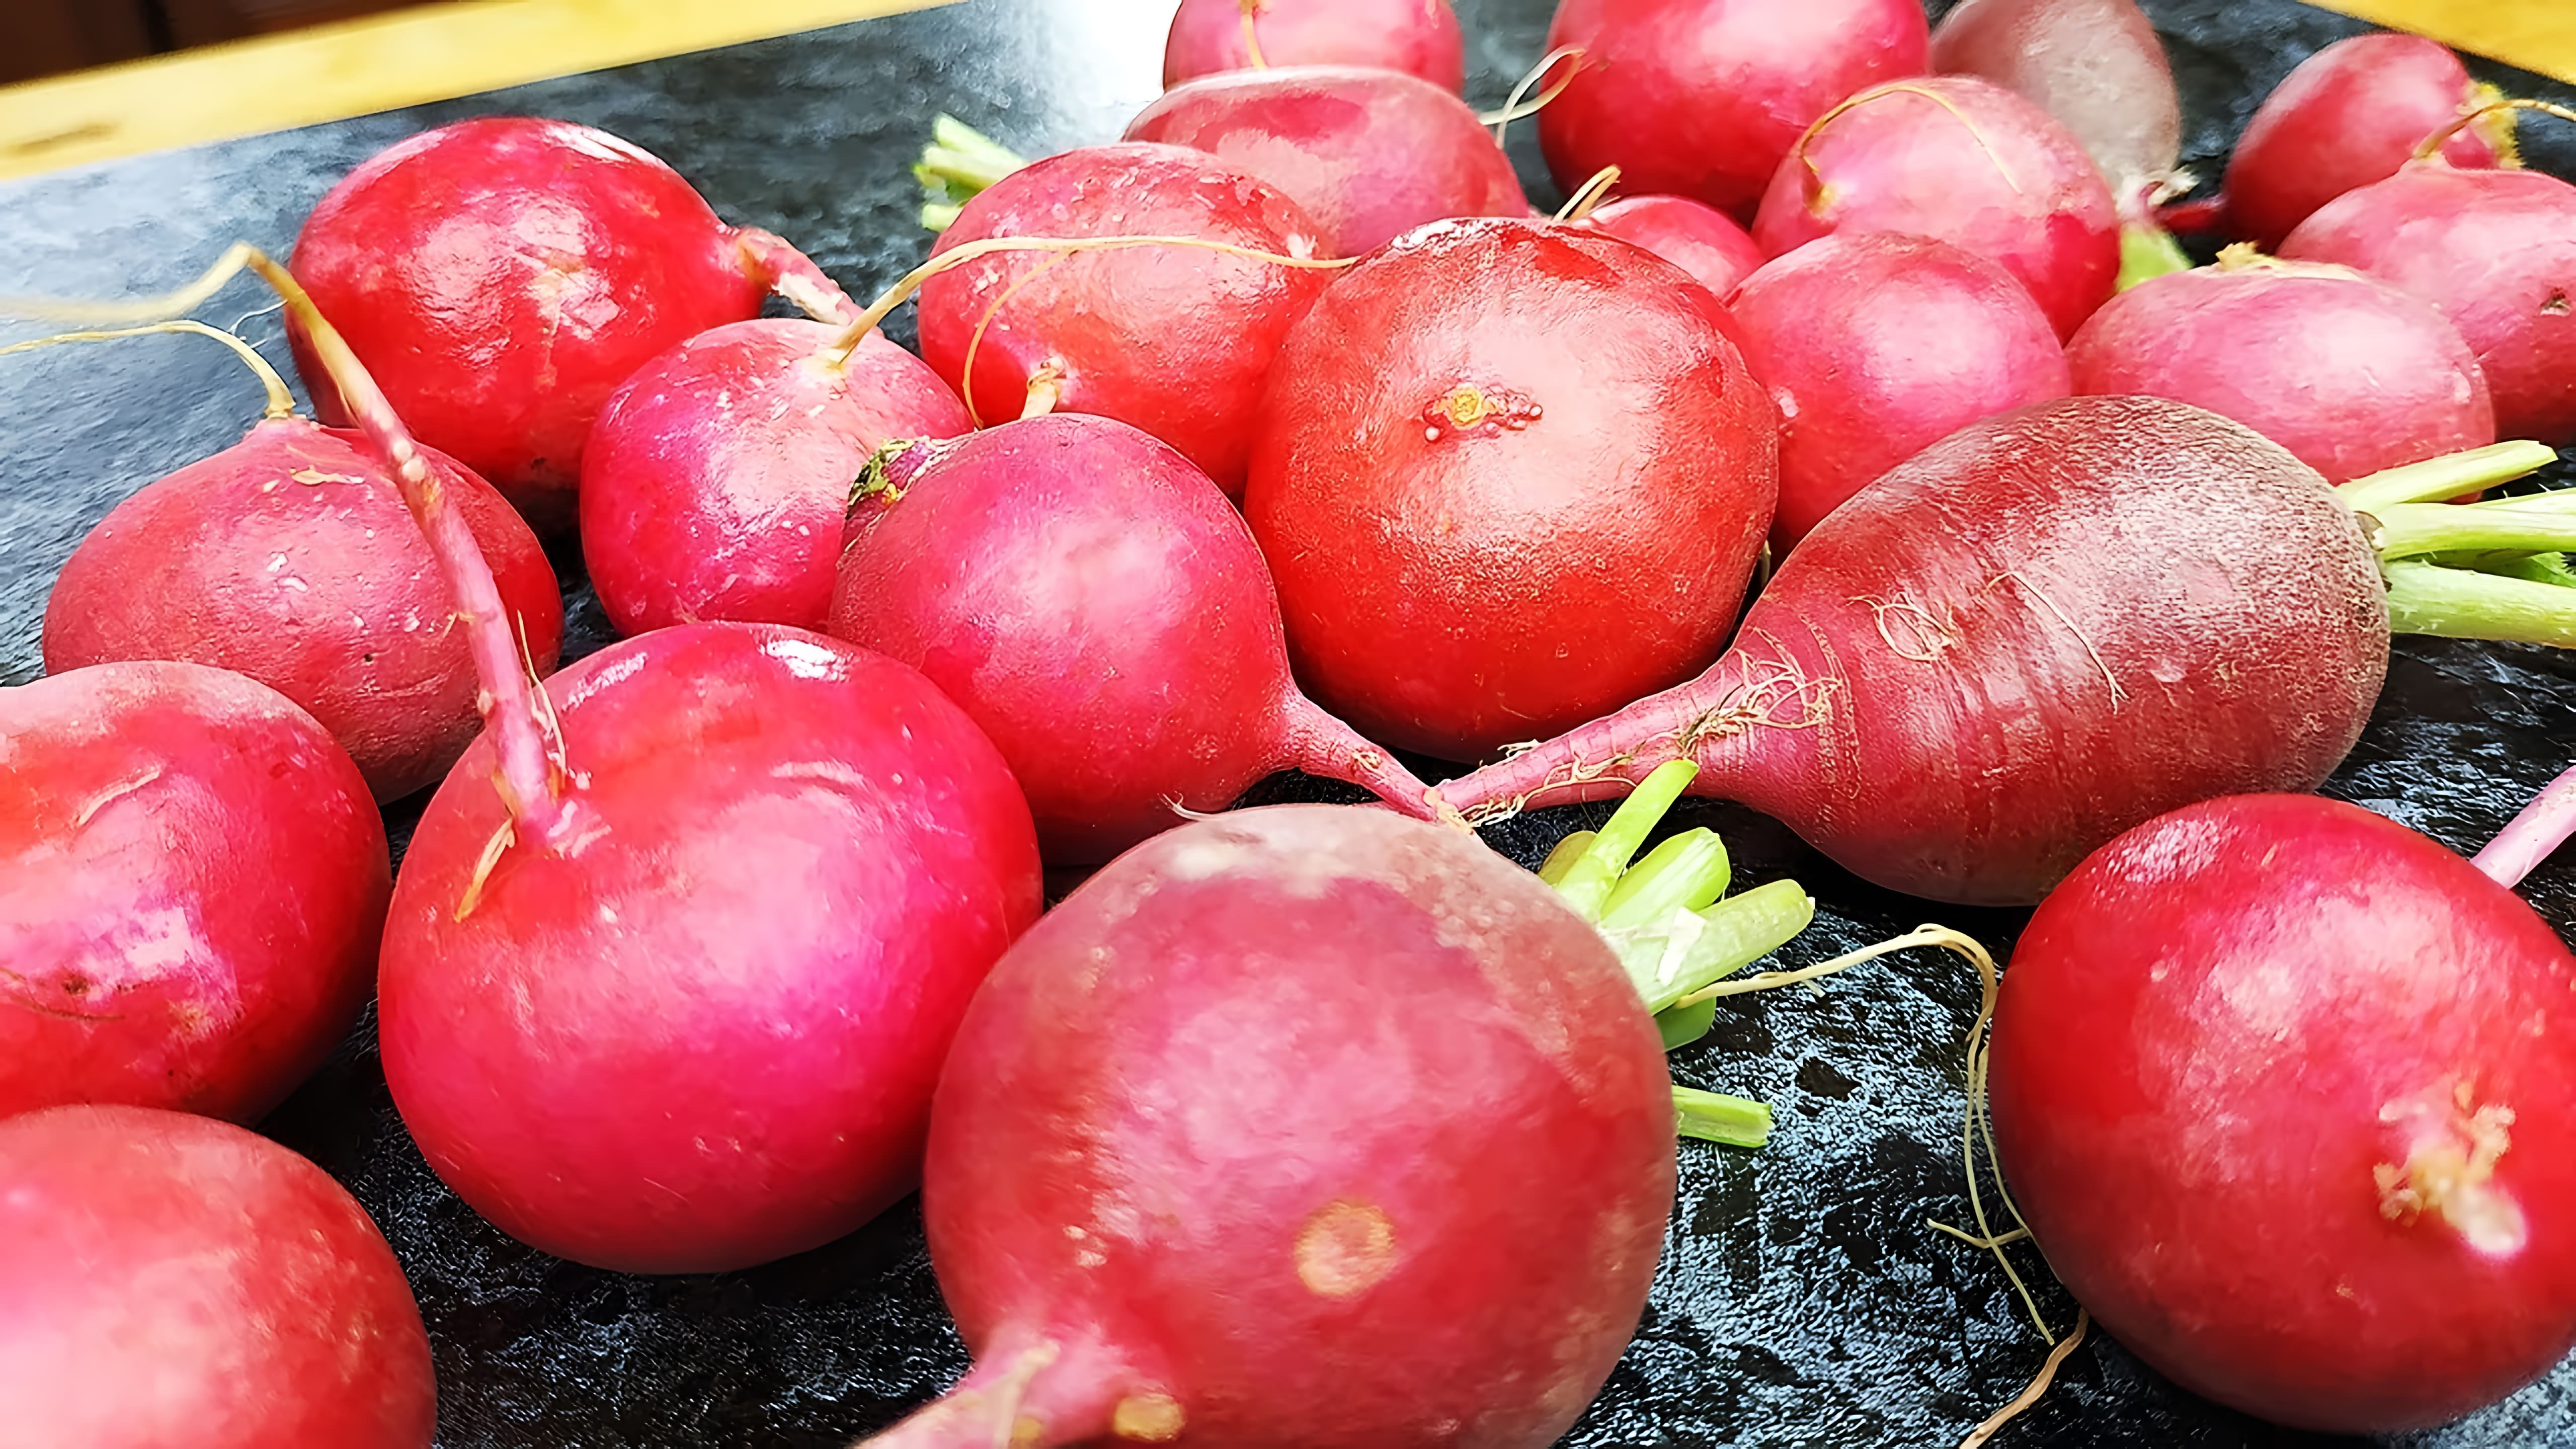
point(1174, 340)
point(1878, 345)
point(1482, 451)
point(2281, 1088)
point(1968, 162)
point(289, 557)
point(715, 480)
point(174, 1280)
point(1102, 612)
point(2496, 252)
point(501, 276)
point(703, 1035)
point(2095, 65)
point(1304, 1126)
point(1700, 240)
point(1368, 153)
point(2349, 115)
point(1957, 685)
point(1418, 37)
point(192, 883)
point(2350, 374)
point(1701, 98)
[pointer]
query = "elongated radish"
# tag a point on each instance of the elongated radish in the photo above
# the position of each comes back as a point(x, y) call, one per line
point(1954, 688)
point(1094, 603)
point(192, 884)
point(1304, 1126)
point(1419, 37)
point(1699, 239)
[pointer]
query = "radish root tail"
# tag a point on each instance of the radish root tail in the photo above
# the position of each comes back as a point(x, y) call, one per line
point(1514, 110)
point(140, 309)
point(2470, 116)
point(1815, 173)
point(1252, 38)
point(2037, 1388)
point(281, 403)
point(1589, 195)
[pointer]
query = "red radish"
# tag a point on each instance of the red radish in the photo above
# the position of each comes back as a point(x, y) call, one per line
point(1968, 162)
point(2496, 251)
point(1875, 346)
point(1508, 474)
point(192, 883)
point(1176, 341)
point(2095, 65)
point(1700, 240)
point(1368, 153)
point(715, 480)
point(1305, 1126)
point(1701, 98)
point(1102, 612)
point(2281, 1090)
point(1419, 37)
point(2350, 374)
point(2350, 115)
point(502, 275)
point(177, 1281)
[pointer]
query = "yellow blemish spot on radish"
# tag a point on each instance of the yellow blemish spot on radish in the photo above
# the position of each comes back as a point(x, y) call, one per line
point(1147, 1418)
point(1344, 1249)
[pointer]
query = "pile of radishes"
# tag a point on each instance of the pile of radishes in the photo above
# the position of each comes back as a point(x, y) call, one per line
point(1858, 444)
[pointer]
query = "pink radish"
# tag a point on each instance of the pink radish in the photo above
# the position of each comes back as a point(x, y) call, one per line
point(1176, 341)
point(1875, 346)
point(2351, 375)
point(1102, 612)
point(714, 482)
point(1419, 37)
point(177, 1281)
point(192, 884)
point(2350, 115)
point(1305, 1126)
point(1702, 98)
point(502, 275)
point(1700, 240)
point(1968, 162)
point(1957, 687)
point(1368, 153)
point(2281, 1090)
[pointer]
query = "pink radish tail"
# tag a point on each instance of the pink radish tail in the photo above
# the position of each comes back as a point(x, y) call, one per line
point(776, 264)
point(1317, 743)
point(1599, 761)
point(2542, 827)
point(1038, 1394)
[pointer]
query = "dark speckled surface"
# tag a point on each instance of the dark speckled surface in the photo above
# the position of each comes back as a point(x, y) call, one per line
point(1802, 1302)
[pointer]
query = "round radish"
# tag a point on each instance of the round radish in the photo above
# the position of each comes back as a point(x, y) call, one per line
point(2349, 374)
point(1508, 475)
point(1305, 1126)
point(2095, 65)
point(2496, 252)
point(1968, 162)
point(289, 557)
point(2350, 115)
point(1700, 240)
point(1419, 37)
point(1702, 98)
point(715, 480)
point(2282, 1090)
point(1368, 153)
point(1102, 612)
point(176, 1281)
point(1877, 345)
point(1174, 340)
point(502, 275)
point(192, 883)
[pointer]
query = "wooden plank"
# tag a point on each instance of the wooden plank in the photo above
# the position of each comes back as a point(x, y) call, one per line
point(359, 67)
point(2537, 35)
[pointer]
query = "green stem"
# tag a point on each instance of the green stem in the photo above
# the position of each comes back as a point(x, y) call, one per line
point(2507, 525)
point(2148, 251)
point(1587, 883)
point(1716, 1117)
point(1562, 858)
point(958, 164)
point(1694, 948)
point(2466, 604)
point(2454, 475)
point(1688, 872)
point(1682, 1025)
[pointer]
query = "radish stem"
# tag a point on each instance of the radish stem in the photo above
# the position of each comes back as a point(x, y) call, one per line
point(1716, 1117)
point(2504, 526)
point(2454, 475)
point(2148, 251)
point(2541, 828)
point(1562, 858)
point(1588, 883)
point(1687, 872)
point(2454, 603)
point(959, 163)
point(1696, 948)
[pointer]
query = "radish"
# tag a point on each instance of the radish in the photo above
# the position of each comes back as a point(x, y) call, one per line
point(1700, 240)
point(168, 1280)
point(714, 482)
point(192, 884)
point(1963, 160)
point(1174, 341)
point(2495, 250)
point(1094, 603)
point(1418, 37)
point(289, 557)
point(1302, 1126)
point(1508, 474)
point(502, 275)
point(2281, 1091)
point(1368, 153)
point(1702, 98)
point(2350, 115)
point(1875, 346)
point(2349, 374)
point(1956, 685)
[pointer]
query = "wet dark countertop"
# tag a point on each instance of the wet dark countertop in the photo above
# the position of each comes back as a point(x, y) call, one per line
point(1802, 1301)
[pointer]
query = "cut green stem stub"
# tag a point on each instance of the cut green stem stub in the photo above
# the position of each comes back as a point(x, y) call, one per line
point(2488, 570)
point(959, 162)
point(1716, 1117)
